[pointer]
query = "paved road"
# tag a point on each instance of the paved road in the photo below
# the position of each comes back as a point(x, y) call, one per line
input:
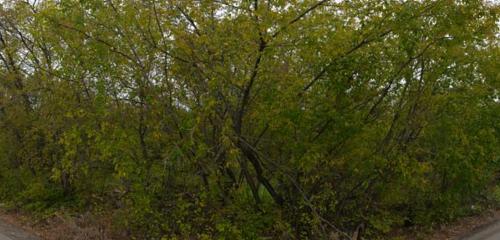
point(9, 232)
point(488, 232)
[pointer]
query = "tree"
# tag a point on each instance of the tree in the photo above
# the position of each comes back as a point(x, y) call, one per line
point(246, 119)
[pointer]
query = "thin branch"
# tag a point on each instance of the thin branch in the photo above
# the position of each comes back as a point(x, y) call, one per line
point(190, 20)
point(300, 16)
point(323, 71)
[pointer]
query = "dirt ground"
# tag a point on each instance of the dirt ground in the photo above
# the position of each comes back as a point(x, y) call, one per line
point(57, 227)
point(455, 230)
point(64, 228)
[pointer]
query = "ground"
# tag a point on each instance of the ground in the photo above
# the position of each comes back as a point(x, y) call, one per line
point(461, 229)
point(17, 226)
point(12, 231)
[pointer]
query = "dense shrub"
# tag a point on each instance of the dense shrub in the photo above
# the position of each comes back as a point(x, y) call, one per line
point(250, 119)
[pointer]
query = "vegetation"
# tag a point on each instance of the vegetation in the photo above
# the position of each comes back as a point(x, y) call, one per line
point(239, 119)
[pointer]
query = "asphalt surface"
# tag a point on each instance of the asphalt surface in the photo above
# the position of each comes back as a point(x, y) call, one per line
point(488, 232)
point(9, 232)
